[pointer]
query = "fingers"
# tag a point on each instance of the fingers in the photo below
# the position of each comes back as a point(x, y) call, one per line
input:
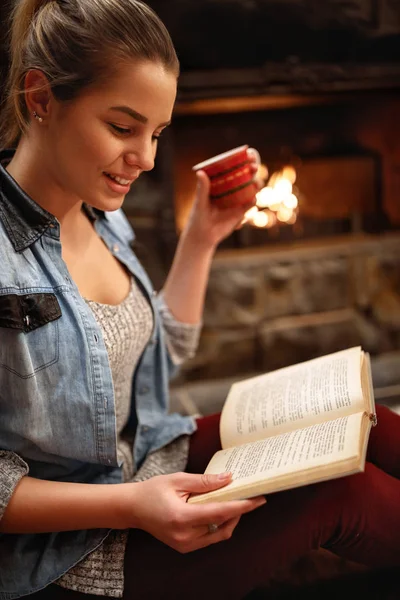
point(200, 484)
point(203, 187)
point(220, 512)
point(241, 219)
point(260, 183)
point(226, 526)
point(188, 543)
point(213, 512)
point(198, 534)
point(254, 155)
point(238, 212)
point(224, 532)
point(165, 514)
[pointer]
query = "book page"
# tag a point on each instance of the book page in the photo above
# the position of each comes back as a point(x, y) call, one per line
point(293, 397)
point(367, 384)
point(289, 453)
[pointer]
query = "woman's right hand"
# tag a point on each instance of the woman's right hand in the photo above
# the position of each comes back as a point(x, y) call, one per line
point(159, 506)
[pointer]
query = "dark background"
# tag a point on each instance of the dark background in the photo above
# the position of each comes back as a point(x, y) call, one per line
point(239, 33)
point(215, 34)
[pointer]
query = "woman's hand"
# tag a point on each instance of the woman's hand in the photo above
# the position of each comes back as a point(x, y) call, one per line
point(208, 224)
point(185, 288)
point(159, 506)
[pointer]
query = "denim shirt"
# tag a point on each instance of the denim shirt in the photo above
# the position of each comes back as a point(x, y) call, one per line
point(56, 392)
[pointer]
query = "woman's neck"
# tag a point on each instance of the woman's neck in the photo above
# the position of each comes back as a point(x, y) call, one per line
point(28, 168)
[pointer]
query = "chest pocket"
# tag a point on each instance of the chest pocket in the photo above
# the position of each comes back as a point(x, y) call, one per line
point(29, 337)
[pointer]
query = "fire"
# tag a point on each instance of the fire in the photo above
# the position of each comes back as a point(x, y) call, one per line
point(250, 214)
point(276, 201)
point(289, 172)
point(266, 198)
point(260, 219)
point(291, 202)
point(284, 214)
point(283, 187)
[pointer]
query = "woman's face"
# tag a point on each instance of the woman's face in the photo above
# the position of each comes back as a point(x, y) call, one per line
point(100, 143)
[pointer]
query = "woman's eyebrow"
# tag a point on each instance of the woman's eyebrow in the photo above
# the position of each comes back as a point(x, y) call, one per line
point(135, 115)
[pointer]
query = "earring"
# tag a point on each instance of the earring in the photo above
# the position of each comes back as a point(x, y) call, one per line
point(37, 116)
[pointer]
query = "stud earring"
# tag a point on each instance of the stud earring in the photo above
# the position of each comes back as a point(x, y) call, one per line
point(37, 116)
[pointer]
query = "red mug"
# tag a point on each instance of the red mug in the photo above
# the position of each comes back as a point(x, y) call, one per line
point(231, 178)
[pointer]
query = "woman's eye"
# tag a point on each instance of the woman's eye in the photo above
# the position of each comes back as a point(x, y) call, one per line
point(120, 130)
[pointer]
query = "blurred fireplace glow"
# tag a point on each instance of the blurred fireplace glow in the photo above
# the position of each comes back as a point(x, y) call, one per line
point(276, 202)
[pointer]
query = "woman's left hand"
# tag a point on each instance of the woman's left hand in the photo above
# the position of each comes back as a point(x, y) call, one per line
point(209, 224)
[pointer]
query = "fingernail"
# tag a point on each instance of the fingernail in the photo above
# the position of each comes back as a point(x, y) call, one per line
point(224, 476)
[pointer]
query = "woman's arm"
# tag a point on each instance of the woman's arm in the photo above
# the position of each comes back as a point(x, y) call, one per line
point(39, 506)
point(157, 505)
point(185, 288)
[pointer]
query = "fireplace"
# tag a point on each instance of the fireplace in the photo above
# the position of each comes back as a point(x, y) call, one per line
point(291, 292)
point(306, 83)
point(323, 99)
point(341, 151)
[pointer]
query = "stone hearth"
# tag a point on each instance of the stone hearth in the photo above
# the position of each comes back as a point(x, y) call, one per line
point(266, 309)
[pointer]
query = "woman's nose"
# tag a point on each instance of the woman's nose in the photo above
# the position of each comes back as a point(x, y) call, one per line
point(142, 156)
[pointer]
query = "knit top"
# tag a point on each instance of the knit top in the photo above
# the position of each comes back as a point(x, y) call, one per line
point(126, 329)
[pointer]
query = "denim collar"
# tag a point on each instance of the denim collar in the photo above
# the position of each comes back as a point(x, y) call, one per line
point(24, 220)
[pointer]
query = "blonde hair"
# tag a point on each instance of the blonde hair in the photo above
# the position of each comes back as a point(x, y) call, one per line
point(76, 43)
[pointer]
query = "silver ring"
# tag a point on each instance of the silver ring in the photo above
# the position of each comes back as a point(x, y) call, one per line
point(212, 528)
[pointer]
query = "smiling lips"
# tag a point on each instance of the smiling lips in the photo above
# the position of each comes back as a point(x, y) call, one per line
point(120, 180)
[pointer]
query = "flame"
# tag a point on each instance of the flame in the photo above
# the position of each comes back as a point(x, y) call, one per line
point(283, 187)
point(248, 216)
point(260, 219)
point(266, 197)
point(273, 179)
point(276, 201)
point(271, 220)
point(284, 214)
point(289, 172)
point(291, 201)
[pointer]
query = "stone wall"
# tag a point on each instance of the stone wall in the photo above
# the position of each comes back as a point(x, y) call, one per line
point(268, 308)
point(251, 32)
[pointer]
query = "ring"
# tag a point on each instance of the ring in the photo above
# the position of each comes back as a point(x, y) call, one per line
point(212, 528)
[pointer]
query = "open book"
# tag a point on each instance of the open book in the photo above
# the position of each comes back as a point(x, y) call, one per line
point(295, 426)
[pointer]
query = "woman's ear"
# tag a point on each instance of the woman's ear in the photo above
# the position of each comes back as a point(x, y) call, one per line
point(38, 94)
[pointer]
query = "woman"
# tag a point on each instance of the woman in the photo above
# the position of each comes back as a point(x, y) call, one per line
point(86, 347)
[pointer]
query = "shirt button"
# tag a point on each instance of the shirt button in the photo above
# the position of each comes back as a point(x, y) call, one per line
point(116, 248)
point(144, 390)
point(154, 293)
point(145, 429)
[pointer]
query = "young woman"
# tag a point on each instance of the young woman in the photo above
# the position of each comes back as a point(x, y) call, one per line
point(87, 347)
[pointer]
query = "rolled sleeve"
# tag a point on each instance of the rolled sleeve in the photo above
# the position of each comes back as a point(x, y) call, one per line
point(182, 338)
point(12, 470)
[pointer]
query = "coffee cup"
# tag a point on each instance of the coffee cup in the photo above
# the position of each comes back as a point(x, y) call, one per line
point(231, 178)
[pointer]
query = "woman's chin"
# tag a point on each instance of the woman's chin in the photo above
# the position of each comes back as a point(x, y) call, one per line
point(105, 203)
